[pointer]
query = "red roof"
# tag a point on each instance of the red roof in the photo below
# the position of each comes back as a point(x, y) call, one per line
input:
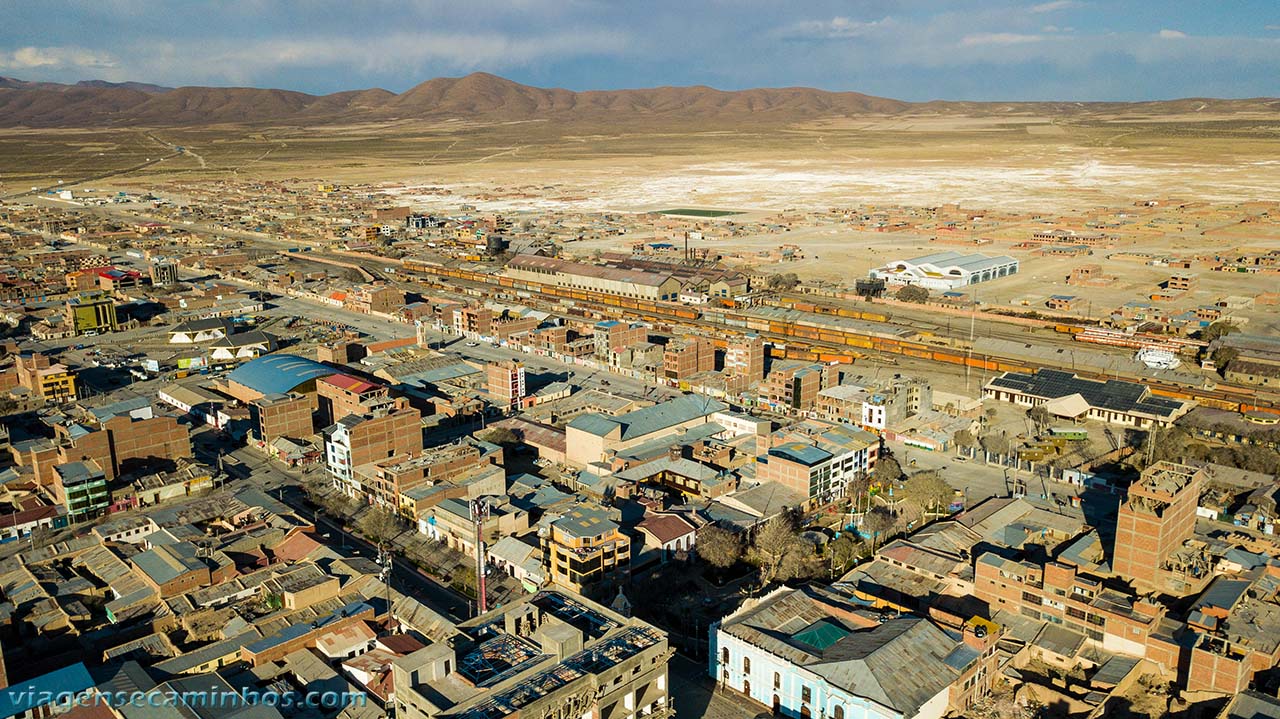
point(402, 644)
point(665, 527)
point(295, 548)
point(349, 383)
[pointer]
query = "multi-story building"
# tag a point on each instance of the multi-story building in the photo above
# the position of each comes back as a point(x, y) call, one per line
point(477, 321)
point(382, 299)
point(81, 487)
point(339, 395)
point(505, 382)
point(810, 653)
point(1060, 593)
point(53, 382)
point(164, 272)
point(875, 407)
point(281, 415)
point(744, 357)
point(387, 480)
point(613, 336)
point(1180, 283)
point(359, 439)
point(452, 522)
point(548, 655)
point(123, 444)
point(584, 548)
point(91, 313)
point(817, 459)
point(1156, 519)
point(686, 356)
point(795, 388)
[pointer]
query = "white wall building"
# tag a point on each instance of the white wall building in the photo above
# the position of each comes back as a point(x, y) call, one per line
point(799, 652)
point(946, 270)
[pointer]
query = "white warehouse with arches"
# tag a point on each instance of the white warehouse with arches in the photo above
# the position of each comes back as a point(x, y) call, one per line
point(946, 270)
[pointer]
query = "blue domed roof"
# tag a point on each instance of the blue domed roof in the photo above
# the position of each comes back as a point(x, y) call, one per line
point(279, 373)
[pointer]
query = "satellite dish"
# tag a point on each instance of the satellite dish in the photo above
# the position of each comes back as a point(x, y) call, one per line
point(979, 631)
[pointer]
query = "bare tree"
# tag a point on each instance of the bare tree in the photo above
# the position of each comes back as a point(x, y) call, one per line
point(878, 521)
point(1039, 417)
point(718, 547)
point(844, 551)
point(887, 470)
point(858, 489)
point(779, 552)
point(379, 525)
point(964, 439)
point(928, 490)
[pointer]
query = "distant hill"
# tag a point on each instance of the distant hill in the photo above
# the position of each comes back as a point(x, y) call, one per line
point(484, 97)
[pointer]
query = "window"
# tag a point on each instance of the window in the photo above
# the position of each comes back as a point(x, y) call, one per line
point(746, 665)
point(724, 658)
point(806, 695)
point(838, 712)
point(777, 680)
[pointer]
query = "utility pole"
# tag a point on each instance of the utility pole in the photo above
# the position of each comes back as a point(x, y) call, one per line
point(479, 513)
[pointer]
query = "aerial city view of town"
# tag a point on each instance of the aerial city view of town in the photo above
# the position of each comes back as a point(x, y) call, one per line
point(475, 399)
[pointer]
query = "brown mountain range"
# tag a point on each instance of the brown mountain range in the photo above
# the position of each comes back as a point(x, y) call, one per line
point(485, 97)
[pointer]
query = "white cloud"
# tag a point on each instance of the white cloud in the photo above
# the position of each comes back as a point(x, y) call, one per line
point(25, 58)
point(835, 28)
point(1054, 6)
point(998, 38)
point(1271, 27)
point(1168, 34)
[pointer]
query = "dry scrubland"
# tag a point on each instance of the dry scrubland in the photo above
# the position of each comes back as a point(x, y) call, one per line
point(1026, 163)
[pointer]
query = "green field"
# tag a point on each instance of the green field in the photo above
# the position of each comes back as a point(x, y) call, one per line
point(699, 213)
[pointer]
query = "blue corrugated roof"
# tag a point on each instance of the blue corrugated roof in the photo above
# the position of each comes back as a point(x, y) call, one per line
point(277, 373)
point(58, 683)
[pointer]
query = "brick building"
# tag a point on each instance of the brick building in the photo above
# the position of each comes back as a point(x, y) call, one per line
point(359, 439)
point(505, 383)
point(744, 357)
point(281, 415)
point(1158, 516)
point(684, 357)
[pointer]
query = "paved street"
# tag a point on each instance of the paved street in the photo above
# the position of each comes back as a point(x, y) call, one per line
point(696, 697)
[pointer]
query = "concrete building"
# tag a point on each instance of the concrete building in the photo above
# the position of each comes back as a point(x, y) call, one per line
point(808, 653)
point(817, 460)
point(593, 437)
point(946, 270)
point(505, 382)
point(276, 374)
point(1158, 516)
point(584, 548)
point(876, 406)
point(339, 395)
point(199, 331)
point(1070, 397)
point(164, 272)
point(548, 655)
point(91, 313)
point(54, 382)
point(81, 487)
point(684, 357)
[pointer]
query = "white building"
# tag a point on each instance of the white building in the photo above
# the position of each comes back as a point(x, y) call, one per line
point(196, 331)
point(807, 653)
point(242, 346)
point(337, 455)
point(946, 270)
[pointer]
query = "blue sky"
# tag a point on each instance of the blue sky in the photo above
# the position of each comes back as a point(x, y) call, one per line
point(908, 49)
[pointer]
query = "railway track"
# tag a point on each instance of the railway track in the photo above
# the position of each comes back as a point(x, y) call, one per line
point(810, 340)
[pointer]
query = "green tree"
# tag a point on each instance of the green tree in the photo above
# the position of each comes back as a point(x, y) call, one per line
point(718, 547)
point(780, 553)
point(876, 522)
point(912, 293)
